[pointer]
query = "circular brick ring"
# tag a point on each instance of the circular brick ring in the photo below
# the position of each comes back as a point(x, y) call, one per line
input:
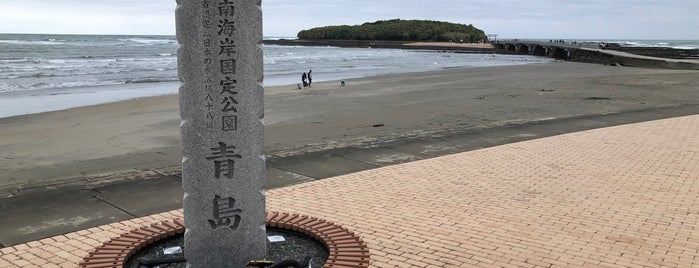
point(345, 248)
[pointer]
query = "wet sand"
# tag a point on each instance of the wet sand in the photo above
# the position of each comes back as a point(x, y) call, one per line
point(451, 44)
point(143, 134)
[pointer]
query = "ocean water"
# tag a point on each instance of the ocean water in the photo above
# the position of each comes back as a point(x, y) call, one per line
point(39, 62)
point(285, 64)
point(40, 73)
point(47, 62)
point(678, 44)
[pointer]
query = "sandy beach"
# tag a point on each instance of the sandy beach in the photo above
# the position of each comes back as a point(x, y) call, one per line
point(142, 134)
point(451, 44)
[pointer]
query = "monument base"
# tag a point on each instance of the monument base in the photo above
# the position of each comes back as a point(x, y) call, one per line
point(344, 247)
point(295, 247)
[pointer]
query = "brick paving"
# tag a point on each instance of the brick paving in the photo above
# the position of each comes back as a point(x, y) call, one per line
point(625, 196)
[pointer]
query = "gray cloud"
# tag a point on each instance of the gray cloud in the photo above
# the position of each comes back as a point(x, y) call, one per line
point(643, 19)
point(535, 18)
point(81, 16)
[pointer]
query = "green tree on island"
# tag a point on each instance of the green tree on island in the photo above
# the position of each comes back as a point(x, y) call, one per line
point(398, 30)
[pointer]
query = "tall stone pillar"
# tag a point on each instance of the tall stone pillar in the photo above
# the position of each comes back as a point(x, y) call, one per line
point(221, 101)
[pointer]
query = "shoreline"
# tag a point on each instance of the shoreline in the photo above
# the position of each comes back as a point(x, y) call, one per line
point(19, 103)
point(65, 98)
point(143, 134)
point(435, 46)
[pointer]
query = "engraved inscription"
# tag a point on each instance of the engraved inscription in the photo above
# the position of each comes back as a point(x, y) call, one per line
point(225, 214)
point(220, 66)
point(207, 62)
point(229, 92)
point(228, 66)
point(226, 27)
point(227, 47)
point(226, 8)
point(230, 122)
point(209, 82)
point(228, 86)
point(210, 121)
point(224, 157)
point(206, 22)
point(223, 164)
point(229, 104)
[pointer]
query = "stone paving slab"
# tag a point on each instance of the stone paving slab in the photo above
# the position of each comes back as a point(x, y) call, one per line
point(277, 178)
point(382, 156)
point(36, 217)
point(320, 165)
point(164, 193)
point(625, 196)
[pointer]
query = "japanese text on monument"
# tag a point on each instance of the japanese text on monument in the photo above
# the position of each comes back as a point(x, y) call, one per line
point(221, 85)
point(221, 98)
point(221, 89)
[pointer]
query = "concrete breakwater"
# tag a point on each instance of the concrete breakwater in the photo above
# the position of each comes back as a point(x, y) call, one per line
point(662, 52)
point(613, 57)
point(580, 53)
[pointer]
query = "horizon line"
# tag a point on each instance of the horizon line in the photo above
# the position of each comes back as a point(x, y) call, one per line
point(290, 36)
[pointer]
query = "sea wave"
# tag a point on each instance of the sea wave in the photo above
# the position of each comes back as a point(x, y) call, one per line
point(33, 87)
point(148, 41)
point(56, 61)
point(150, 69)
point(7, 61)
point(150, 80)
point(45, 85)
point(667, 44)
point(278, 38)
point(38, 75)
point(677, 44)
point(685, 47)
point(30, 42)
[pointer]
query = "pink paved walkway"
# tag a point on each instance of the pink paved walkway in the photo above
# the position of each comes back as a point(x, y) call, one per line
point(625, 196)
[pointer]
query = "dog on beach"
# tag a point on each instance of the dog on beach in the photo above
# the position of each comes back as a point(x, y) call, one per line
point(342, 83)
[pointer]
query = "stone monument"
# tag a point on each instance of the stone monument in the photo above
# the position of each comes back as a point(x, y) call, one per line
point(221, 101)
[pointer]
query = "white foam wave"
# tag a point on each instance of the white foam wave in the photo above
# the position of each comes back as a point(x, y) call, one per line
point(685, 47)
point(278, 38)
point(25, 42)
point(151, 80)
point(148, 41)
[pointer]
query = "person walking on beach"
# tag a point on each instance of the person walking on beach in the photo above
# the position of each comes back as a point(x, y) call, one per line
point(303, 79)
point(310, 80)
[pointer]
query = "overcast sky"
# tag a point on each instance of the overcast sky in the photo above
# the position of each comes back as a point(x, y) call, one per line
point(578, 19)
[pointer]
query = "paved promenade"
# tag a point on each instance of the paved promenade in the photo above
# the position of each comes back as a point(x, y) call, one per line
point(625, 196)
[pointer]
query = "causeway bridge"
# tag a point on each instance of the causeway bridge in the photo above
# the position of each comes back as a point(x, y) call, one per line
point(591, 53)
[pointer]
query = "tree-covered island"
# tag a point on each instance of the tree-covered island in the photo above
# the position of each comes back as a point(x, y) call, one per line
point(398, 30)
